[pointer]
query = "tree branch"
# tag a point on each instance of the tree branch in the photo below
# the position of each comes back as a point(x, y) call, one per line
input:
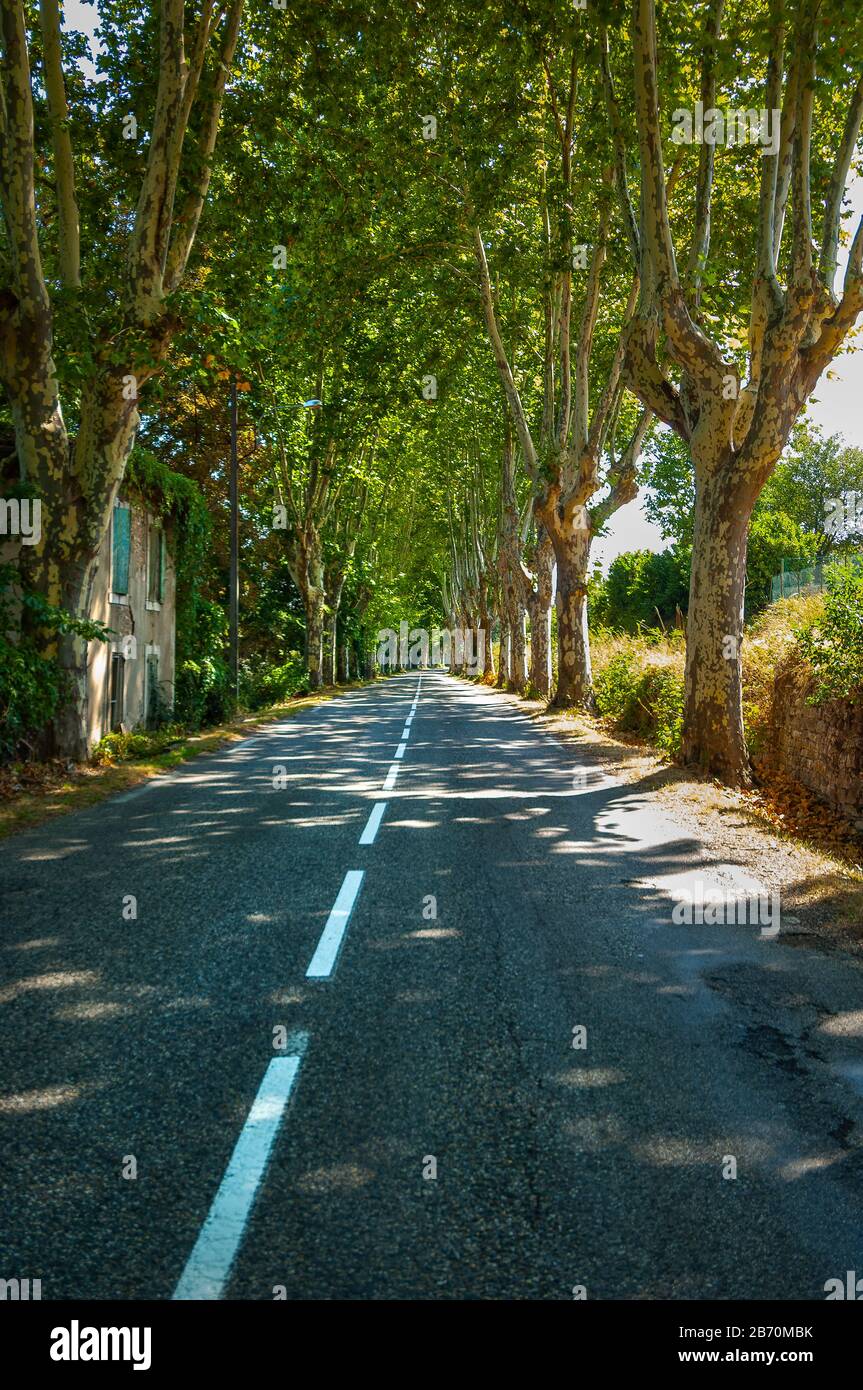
point(17, 164)
point(69, 232)
point(700, 246)
point(619, 143)
point(838, 179)
point(507, 379)
point(187, 223)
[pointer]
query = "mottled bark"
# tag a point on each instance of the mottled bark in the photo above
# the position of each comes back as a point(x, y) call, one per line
point(485, 627)
point(503, 663)
point(331, 636)
point(713, 716)
point(313, 604)
point(574, 676)
point(539, 610)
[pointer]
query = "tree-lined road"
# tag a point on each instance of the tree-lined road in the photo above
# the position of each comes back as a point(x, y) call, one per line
point(433, 1043)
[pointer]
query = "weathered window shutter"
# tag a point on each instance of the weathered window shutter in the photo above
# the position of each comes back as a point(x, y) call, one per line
point(155, 564)
point(152, 692)
point(120, 550)
point(162, 549)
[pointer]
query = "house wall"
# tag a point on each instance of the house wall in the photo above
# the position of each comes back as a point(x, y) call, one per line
point(152, 626)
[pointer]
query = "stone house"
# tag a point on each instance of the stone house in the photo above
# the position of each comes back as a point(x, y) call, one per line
point(130, 678)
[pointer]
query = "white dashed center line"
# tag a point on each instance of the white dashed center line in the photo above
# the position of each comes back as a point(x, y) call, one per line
point(324, 959)
point(209, 1264)
point(373, 823)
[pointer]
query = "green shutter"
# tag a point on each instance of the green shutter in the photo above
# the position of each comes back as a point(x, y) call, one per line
point(162, 566)
point(120, 550)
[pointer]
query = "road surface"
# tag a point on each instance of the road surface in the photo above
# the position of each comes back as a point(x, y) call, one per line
point(336, 1052)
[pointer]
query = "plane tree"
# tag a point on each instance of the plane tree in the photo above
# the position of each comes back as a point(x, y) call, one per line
point(102, 189)
point(735, 324)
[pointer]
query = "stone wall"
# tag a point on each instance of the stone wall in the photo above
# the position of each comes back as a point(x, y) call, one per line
point(819, 745)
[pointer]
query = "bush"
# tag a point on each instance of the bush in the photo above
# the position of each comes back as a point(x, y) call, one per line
point(263, 684)
point(642, 697)
point(121, 748)
point(833, 645)
point(642, 588)
point(202, 692)
point(29, 693)
point(31, 685)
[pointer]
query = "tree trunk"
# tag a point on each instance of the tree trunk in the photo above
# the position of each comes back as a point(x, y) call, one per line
point(343, 672)
point(503, 654)
point(488, 673)
point(75, 507)
point(713, 714)
point(574, 676)
point(330, 651)
point(518, 646)
point(313, 600)
point(539, 607)
point(305, 561)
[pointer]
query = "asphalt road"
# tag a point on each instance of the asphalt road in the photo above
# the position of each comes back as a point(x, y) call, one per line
point(428, 1130)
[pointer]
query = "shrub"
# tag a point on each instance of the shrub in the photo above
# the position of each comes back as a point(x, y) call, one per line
point(31, 685)
point(122, 747)
point(833, 645)
point(29, 693)
point(202, 693)
point(642, 697)
point(262, 683)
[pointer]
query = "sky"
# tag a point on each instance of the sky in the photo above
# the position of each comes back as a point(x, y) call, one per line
point(837, 408)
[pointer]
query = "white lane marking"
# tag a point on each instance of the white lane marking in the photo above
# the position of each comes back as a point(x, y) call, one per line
point(209, 1265)
point(373, 823)
point(406, 732)
point(324, 959)
point(400, 751)
point(391, 778)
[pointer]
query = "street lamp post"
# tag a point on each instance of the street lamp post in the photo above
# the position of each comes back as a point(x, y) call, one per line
point(234, 578)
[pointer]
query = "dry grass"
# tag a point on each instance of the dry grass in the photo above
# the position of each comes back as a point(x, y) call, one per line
point(669, 651)
point(769, 652)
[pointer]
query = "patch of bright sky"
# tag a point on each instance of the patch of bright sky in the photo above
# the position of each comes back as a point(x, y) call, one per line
point(84, 19)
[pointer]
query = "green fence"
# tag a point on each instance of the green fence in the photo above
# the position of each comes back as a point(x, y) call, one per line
point(788, 583)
